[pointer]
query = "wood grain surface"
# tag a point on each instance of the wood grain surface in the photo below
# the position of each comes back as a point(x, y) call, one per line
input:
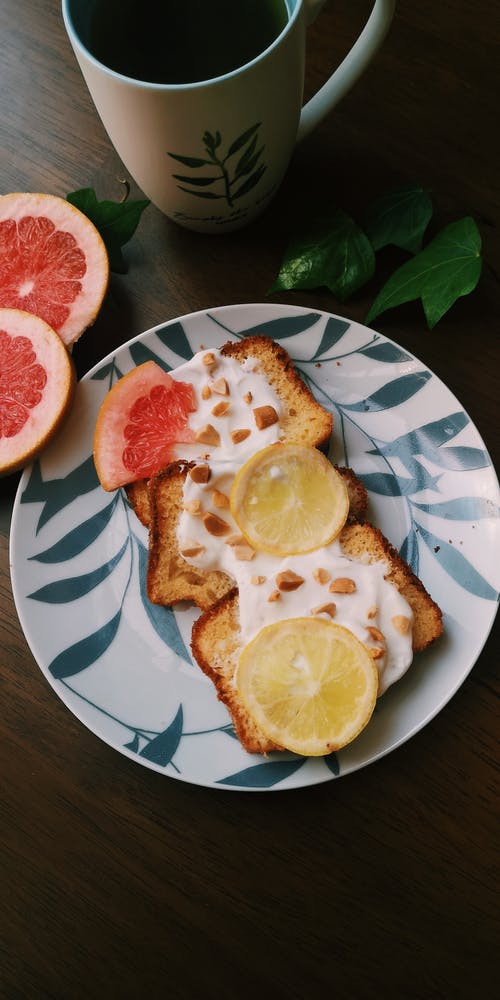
point(118, 882)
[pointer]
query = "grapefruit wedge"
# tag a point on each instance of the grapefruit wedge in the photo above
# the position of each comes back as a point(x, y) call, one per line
point(53, 262)
point(36, 387)
point(139, 421)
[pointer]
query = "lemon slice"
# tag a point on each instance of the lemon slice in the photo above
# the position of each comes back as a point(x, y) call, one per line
point(309, 685)
point(288, 499)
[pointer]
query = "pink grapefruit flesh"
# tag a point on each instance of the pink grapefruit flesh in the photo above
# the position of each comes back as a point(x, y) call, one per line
point(36, 387)
point(53, 262)
point(140, 420)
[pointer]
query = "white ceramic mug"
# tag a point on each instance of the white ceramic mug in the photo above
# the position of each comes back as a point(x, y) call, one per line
point(212, 154)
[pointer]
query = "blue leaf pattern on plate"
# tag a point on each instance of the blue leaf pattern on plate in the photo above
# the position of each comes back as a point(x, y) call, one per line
point(388, 485)
point(334, 331)
point(111, 371)
point(174, 337)
point(56, 494)
point(133, 745)
point(79, 538)
point(386, 352)
point(162, 748)
point(281, 329)
point(73, 587)
point(263, 775)
point(409, 551)
point(428, 440)
point(425, 440)
point(392, 394)
point(162, 618)
point(229, 730)
point(103, 372)
point(140, 353)
point(332, 763)
point(458, 566)
point(86, 651)
point(462, 509)
point(429, 437)
point(466, 459)
point(385, 484)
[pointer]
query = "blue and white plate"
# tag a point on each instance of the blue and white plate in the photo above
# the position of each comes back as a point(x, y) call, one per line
point(123, 665)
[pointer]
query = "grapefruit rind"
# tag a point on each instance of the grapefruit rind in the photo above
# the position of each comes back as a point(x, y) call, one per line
point(27, 281)
point(44, 418)
point(111, 437)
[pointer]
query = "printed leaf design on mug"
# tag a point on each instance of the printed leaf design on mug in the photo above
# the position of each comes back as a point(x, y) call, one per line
point(234, 179)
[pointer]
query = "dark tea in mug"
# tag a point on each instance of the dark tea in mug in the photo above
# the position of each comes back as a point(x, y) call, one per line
point(182, 41)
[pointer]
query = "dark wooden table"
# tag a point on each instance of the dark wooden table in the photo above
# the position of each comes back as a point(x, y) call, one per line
point(119, 882)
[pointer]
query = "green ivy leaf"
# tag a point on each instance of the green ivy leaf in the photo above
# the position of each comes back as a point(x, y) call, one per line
point(399, 218)
point(447, 268)
point(116, 221)
point(332, 251)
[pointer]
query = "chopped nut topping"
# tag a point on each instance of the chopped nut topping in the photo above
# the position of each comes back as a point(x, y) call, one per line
point(376, 652)
point(207, 435)
point(193, 507)
point(220, 387)
point(248, 397)
point(192, 549)
point(236, 540)
point(244, 552)
point(288, 580)
point(208, 360)
point(257, 580)
point(220, 409)
point(219, 499)
point(200, 473)
point(275, 596)
point(375, 633)
point(215, 525)
point(401, 623)
point(321, 576)
point(265, 416)
point(372, 612)
point(206, 392)
point(240, 435)
point(342, 585)
point(325, 609)
point(241, 548)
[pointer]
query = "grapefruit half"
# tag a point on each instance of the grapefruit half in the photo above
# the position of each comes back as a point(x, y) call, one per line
point(36, 387)
point(139, 421)
point(53, 262)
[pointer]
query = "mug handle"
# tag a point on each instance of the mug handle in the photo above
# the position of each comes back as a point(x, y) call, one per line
point(352, 67)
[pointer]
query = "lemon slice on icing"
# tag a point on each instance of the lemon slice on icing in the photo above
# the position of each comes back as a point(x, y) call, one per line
point(289, 499)
point(309, 685)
